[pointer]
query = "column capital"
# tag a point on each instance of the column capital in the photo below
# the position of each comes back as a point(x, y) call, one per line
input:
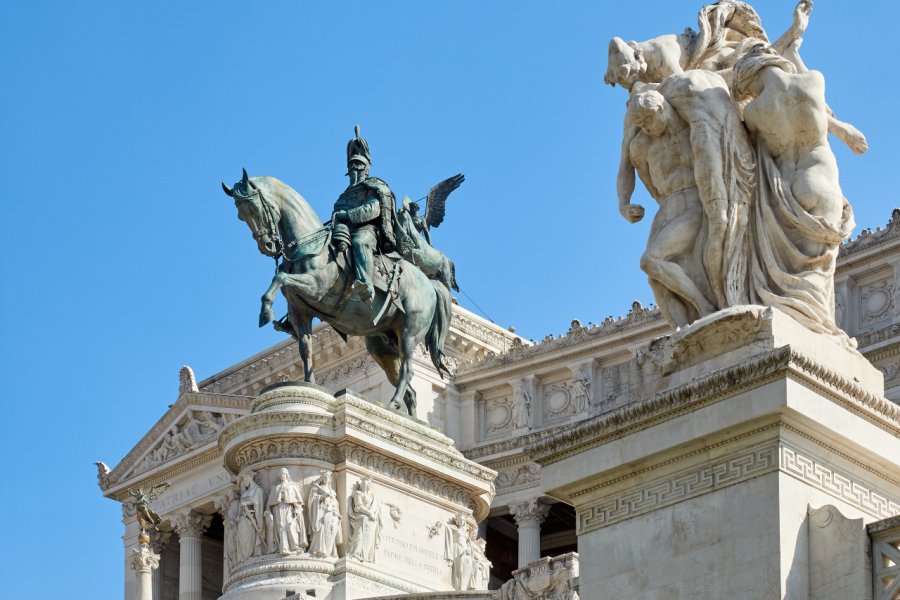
point(143, 559)
point(190, 523)
point(531, 511)
point(159, 540)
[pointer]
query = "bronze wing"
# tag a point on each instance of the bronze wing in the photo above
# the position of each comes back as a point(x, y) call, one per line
point(437, 199)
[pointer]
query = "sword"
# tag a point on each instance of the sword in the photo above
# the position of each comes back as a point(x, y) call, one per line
point(388, 295)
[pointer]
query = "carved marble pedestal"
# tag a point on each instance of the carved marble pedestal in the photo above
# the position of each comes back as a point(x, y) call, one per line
point(702, 485)
point(396, 485)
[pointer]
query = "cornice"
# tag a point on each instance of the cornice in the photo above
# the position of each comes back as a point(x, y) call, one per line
point(578, 343)
point(166, 472)
point(238, 404)
point(278, 407)
point(871, 240)
point(716, 386)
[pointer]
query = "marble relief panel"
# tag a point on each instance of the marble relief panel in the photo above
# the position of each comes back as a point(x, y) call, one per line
point(497, 413)
point(564, 399)
point(873, 300)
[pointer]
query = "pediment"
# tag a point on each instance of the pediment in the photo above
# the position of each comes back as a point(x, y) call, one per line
point(189, 429)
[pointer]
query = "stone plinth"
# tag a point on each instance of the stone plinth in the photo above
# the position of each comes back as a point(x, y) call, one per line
point(702, 485)
point(398, 484)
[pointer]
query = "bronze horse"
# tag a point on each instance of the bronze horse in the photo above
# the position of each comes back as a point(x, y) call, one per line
point(313, 277)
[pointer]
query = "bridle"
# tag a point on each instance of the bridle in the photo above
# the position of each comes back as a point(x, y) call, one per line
point(270, 218)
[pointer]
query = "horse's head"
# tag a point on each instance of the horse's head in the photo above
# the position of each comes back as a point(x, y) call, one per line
point(626, 63)
point(260, 214)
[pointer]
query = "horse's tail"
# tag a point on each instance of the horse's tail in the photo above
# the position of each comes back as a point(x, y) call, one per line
point(453, 283)
point(440, 325)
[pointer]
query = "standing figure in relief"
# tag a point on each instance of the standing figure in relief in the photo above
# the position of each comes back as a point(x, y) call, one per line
point(482, 573)
point(324, 518)
point(801, 215)
point(286, 506)
point(250, 540)
point(521, 411)
point(364, 512)
point(459, 552)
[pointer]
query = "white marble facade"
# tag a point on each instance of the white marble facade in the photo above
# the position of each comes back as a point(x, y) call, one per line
point(506, 394)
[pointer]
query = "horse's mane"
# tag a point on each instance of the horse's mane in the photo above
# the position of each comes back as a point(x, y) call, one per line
point(275, 189)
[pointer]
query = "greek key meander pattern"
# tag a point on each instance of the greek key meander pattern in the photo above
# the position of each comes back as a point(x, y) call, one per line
point(729, 471)
point(682, 486)
point(837, 484)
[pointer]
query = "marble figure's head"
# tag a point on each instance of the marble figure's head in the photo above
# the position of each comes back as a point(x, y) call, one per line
point(745, 82)
point(625, 64)
point(647, 110)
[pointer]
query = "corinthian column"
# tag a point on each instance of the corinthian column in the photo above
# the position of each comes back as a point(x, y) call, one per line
point(529, 515)
point(144, 561)
point(190, 527)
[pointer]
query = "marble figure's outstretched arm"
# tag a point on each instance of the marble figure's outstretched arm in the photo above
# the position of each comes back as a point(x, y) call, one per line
point(625, 180)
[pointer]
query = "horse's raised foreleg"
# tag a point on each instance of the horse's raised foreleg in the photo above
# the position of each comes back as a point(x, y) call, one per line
point(304, 285)
point(301, 320)
point(265, 312)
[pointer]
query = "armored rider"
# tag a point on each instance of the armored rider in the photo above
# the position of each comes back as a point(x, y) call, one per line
point(367, 208)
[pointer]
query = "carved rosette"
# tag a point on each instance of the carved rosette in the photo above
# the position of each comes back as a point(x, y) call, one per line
point(144, 559)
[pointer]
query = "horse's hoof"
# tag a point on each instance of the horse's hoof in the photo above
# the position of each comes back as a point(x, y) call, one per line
point(393, 405)
point(265, 316)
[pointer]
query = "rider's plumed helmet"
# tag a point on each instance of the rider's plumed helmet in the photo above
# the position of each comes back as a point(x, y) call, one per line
point(358, 149)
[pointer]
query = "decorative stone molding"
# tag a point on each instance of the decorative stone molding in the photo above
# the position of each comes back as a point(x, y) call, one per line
point(285, 447)
point(577, 334)
point(124, 476)
point(520, 476)
point(717, 385)
point(550, 578)
point(728, 471)
point(338, 375)
point(870, 239)
point(190, 524)
point(530, 511)
point(677, 488)
point(400, 472)
point(144, 559)
point(837, 483)
point(885, 535)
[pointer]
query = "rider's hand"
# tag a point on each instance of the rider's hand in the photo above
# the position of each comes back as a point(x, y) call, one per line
point(339, 216)
point(632, 212)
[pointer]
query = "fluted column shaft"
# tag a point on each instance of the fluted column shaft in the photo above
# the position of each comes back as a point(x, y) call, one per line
point(190, 527)
point(158, 542)
point(529, 515)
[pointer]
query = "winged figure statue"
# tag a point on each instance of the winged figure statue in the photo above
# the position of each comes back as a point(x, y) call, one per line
point(429, 259)
point(147, 519)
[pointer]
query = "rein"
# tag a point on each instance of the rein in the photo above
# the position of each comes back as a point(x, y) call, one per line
point(283, 251)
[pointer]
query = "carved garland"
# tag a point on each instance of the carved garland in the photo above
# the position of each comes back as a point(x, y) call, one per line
point(408, 475)
point(285, 447)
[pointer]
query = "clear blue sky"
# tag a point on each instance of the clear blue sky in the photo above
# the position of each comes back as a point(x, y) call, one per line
point(122, 260)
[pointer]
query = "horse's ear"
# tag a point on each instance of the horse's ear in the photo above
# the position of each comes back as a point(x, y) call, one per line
point(228, 190)
point(245, 178)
